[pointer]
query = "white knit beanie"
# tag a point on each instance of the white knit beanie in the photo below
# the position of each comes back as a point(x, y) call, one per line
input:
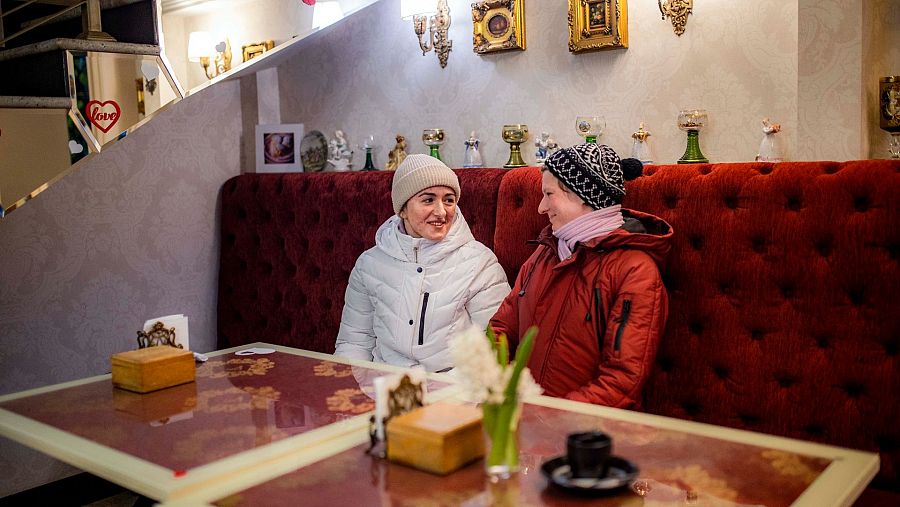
point(418, 172)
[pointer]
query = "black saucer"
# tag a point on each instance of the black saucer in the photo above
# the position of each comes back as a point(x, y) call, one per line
point(621, 473)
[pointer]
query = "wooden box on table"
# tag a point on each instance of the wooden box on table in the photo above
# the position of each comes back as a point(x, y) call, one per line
point(152, 368)
point(438, 438)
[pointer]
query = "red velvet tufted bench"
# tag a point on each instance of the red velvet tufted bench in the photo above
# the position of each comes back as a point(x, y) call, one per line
point(784, 283)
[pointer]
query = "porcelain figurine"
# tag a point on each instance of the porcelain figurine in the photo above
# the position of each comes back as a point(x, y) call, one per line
point(397, 154)
point(769, 149)
point(473, 156)
point(340, 155)
point(545, 147)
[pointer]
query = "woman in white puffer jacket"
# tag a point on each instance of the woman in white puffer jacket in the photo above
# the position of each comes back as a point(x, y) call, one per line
point(425, 279)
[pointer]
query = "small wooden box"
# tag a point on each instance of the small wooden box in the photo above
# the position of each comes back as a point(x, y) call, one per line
point(438, 438)
point(152, 368)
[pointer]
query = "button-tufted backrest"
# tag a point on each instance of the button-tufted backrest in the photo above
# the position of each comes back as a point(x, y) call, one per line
point(289, 242)
point(783, 285)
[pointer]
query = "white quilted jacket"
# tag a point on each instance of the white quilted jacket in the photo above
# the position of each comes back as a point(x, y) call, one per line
point(407, 296)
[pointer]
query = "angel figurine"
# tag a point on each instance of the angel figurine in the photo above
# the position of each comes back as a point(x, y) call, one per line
point(768, 149)
point(397, 154)
point(545, 146)
point(340, 154)
point(473, 156)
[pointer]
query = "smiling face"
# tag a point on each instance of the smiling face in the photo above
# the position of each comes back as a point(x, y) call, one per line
point(429, 214)
point(559, 204)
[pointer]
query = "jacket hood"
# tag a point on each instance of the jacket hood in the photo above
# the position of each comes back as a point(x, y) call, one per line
point(641, 231)
point(404, 247)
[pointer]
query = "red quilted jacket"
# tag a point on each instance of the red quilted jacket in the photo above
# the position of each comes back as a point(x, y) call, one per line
point(600, 313)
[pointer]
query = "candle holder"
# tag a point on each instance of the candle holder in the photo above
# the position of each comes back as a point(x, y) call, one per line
point(433, 138)
point(889, 111)
point(590, 127)
point(515, 135)
point(692, 120)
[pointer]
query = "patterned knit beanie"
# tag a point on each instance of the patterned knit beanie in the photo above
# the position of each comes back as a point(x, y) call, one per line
point(418, 172)
point(594, 172)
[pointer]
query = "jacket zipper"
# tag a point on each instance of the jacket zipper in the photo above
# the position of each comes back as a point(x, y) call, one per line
point(422, 319)
point(597, 329)
point(416, 254)
point(626, 312)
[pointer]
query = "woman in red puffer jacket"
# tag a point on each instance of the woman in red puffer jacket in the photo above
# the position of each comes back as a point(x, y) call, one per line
point(593, 286)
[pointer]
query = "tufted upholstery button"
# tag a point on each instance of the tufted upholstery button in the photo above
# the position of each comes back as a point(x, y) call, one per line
point(890, 348)
point(861, 203)
point(519, 201)
point(720, 371)
point(343, 218)
point(814, 430)
point(691, 407)
point(757, 334)
point(765, 169)
point(823, 246)
point(419, 269)
point(410, 322)
point(788, 291)
point(670, 201)
point(793, 203)
point(893, 251)
point(758, 244)
point(822, 342)
point(665, 363)
point(725, 286)
point(749, 419)
point(853, 389)
point(857, 296)
point(831, 168)
point(696, 242)
point(695, 327)
point(731, 201)
point(886, 443)
point(786, 381)
point(704, 170)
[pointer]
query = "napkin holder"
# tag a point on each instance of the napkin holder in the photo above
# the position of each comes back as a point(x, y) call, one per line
point(438, 438)
point(152, 368)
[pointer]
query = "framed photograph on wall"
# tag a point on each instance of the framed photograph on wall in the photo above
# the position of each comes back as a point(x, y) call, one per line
point(499, 25)
point(253, 50)
point(597, 24)
point(278, 148)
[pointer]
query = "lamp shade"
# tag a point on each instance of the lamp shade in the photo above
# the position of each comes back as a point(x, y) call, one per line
point(326, 13)
point(199, 45)
point(410, 8)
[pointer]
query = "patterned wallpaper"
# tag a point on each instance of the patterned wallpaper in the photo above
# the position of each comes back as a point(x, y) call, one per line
point(736, 59)
point(131, 234)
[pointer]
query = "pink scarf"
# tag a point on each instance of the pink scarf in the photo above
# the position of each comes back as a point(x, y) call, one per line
point(595, 224)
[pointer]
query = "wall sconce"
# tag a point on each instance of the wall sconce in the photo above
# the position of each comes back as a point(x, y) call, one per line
point(326, 13)
point(200, 49)
point(438, 19)
point(677, 11)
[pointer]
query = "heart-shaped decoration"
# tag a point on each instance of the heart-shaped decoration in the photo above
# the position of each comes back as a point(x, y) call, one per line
point(103, 114)
point(220, 47)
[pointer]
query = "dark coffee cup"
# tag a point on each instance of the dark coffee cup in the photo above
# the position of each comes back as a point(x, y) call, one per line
point(588, 454)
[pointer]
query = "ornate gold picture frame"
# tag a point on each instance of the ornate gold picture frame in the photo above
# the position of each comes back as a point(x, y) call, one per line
point(598, 24)
point(499, 25)
point(256, 49)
